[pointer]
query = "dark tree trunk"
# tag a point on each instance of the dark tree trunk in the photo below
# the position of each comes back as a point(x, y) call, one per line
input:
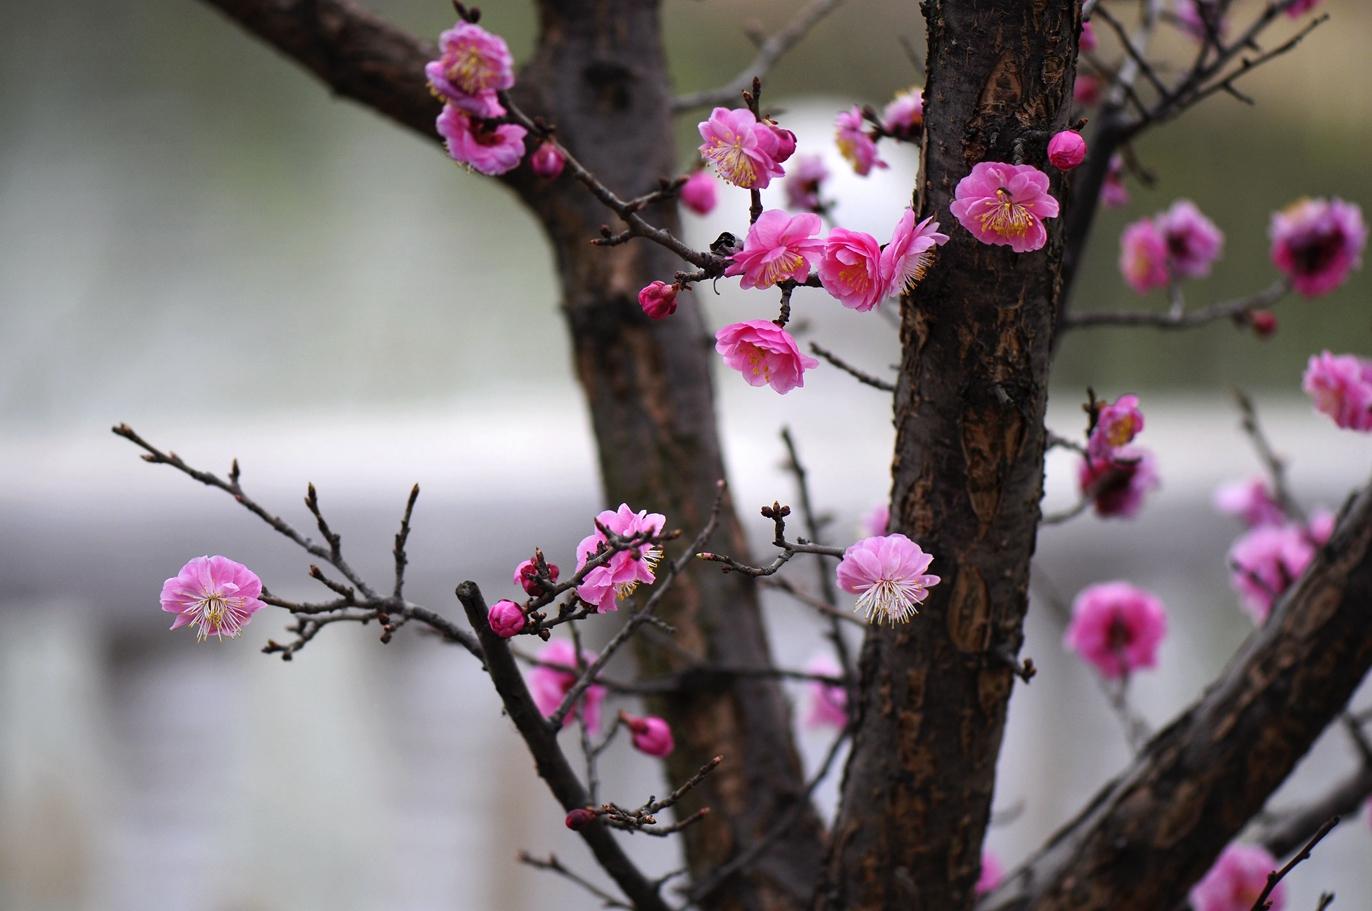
point(968, 475)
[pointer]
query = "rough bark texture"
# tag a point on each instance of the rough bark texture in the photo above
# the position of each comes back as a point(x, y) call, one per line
point(1156, 828)
point(968, 476)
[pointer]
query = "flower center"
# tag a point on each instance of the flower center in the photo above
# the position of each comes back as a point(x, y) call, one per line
point(218, 615)
point(732, 161)
point(1316, 251)
point(914, 268)
point(892, 600)
point(648, 557)
point(469, 71)
point(1008, 218)
point(758, 364)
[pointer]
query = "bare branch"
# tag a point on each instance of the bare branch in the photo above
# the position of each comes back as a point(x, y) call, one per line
point(1262, 903)
point(1237, 309)
point(859, 375)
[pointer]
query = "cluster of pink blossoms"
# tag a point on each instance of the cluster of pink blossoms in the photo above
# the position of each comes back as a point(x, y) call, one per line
point(1341, 386)
point(743, 150)
point(1005, 204)
point(215, 595)
point(889, 574)
point(1236, 880)
point(473, 66)
point(617, 578)
point(1178, 243)
point(1114, 474)
point(553, 678)
point(855, 144)
point(803, 186)
point(1317, 242)
point(1117, 627)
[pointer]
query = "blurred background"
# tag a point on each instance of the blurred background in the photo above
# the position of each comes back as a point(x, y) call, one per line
point(195, 238)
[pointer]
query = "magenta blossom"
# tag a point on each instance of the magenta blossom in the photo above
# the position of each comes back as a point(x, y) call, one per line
point(1005, 204)
point(803, 186)
point(1117, 627)
point(910, 254)
point(1267, 561)
point(1236, 880)
point(547, 161)
point(490, 150)
point(505, 618)
point(650, 734)
point(526, 577)
point(699, 194)
point(854, 144)
point(1086, 90)
point(616, 579)
point(1341, 387)
point(1066, 150)
point(1117, 423)
point(877, 522)
point(658, 299)
point(1088, 42)
point(765, 354)
point(472, 66)
point(850, 269)
point(743, 151)
point(1117, 485)
point(1301, 7)
point(828, 702)
point(1317, 242)
point(1251, 501)
point(904, 114)
point(1198, 18)
point(778, 247)
point(1143, 256)
point(1193, 241)
point(889, 573)
point(554, 677)
point(215, 595)
point(1113, 192)
point(991, 874)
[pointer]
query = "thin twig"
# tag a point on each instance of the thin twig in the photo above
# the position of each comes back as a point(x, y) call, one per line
point(401, 537)
point(553, 865)
point(1263, 903)
point(859, 375)
point(1236, 309)
point(1272, 463)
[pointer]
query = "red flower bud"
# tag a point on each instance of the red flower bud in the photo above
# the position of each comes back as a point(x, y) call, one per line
point(580, 818)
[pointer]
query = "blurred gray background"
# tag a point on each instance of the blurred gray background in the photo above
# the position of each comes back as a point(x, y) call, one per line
point(196, 239)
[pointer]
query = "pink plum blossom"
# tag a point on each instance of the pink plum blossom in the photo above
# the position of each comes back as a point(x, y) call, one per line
point(658, 299)
point(1193, 241)
point(991, 874)
point(526, 576)
point(1117, 485)
point(1198, 18)
point(743, 151)
point(1251, 501)
point(490, 150)
point(1117, 423)
point(910, 254)
point(699, 193)
point(778, 247)
point(215, 595)
point(1005, 204)
point(889, 573)
point(1236, 880)
point(505, 618)
point(1086, 90)
point(473, 65)
point(878, 521)
point(1265, 562)
point(765, 354)
point(651, 735)
point(1066, 150)
point(828, 703)
point(1317, 242)
point(549, 683)
point(850, 269)
point(547, 161)
point(854, 144)
point(904, 114)
point(803, 186)
point(616, 579)
point(1143, 256)
point(1089, 42)
point(1301, 7)
point(1117, 627)
point(1341, 386)
point(1113, 192)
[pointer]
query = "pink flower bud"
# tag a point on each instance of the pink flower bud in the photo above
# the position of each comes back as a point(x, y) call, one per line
point(580, 818)
point(526, 577)
point(547, 160)
point(1264, 323)
point(698, 193)
point(651, 735)
point(506, 618)
point(1086, 89)
point(658, 300)
point(1066, 150)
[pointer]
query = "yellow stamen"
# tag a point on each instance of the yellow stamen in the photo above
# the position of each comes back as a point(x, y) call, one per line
point(1008, 218)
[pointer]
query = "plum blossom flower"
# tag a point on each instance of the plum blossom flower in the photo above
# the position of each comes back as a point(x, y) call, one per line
point(1089, 41)
point(1117, 627)
point(1143, 256)
point(488, 149)
point(1198, 18)
point(473, 65)
point(889, 574)
point(765, 354)
point(1193, 241)
point(991, 874)
point(1113, 192)
point(803, 185)
point(778, 246)
point(1086, 90)
point(215, 595)
point(658, 299)
point(904, 114)
point(526, 576)
point(547, 161)
point(1341, 386)
point(650, 734)
point(1117, 423)
point(877, 522)
point(744, 152)
point(1117, 485)
point(910, 254)
point(549, 683)
point(1265, 562)
point(1005, 204)
point(505, 618)
point(1066, 150)
point(699, 194)
point(1236, 880)
point(854, 144)
point(1301, 7)
point(850, 269)
point(1317, 242)
point(616, 579)
point(1251, 501)
point(828, 702)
